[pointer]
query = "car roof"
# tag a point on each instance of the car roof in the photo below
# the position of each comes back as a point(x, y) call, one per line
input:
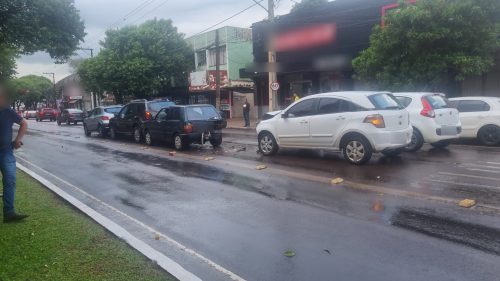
point(476, 98)
point(415, 94)
point(348, 94)
point(191, 105)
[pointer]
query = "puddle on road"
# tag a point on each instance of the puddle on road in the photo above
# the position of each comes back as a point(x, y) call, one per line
point(476, 236)
point(127, 202)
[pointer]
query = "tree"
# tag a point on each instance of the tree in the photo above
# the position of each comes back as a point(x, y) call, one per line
point(432, 45)
point(27, 26)
point(307, 5)
point(30, 89)
point(139, 61)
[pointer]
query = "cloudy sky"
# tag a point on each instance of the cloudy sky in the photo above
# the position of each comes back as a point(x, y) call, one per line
point(190, 16)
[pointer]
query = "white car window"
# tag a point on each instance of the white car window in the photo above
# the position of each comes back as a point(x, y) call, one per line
point(303, 108)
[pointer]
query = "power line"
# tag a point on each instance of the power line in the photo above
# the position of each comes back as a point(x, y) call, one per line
point(137, 9)
point(149, 12)
point(233, 16)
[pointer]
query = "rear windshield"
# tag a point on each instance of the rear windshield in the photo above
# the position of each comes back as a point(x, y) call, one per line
point(113, 110)
point(201, 113)
point(159, 105)
point(48, 109)
point(74, 111)
point(385, 101)
point(437, 101)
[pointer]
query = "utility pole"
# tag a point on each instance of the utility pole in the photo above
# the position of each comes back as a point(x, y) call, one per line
point(217, 70)
point(53, 81)
point(271, 60)
point(93, 99)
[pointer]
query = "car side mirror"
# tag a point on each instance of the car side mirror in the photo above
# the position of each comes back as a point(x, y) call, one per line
point(222, 114)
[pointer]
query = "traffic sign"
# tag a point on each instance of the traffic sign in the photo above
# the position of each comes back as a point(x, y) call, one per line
point(275, 86)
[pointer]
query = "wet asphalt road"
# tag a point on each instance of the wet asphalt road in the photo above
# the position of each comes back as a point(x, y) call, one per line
point(394, 219)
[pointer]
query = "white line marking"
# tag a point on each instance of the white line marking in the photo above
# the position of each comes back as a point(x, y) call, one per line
point(465, 184)
point(469, 176)
point(481, 170)
point(492, 163)
point(479, 166)
point(216, 266)
point(163, 261)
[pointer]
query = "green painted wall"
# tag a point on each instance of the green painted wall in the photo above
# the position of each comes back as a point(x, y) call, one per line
point(238, 43)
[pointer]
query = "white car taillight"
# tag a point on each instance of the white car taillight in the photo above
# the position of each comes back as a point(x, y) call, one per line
point(376, 120)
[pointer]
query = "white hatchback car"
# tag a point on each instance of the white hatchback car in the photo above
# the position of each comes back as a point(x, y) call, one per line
point(434, 121)
point(357, 123)
point(480, 118)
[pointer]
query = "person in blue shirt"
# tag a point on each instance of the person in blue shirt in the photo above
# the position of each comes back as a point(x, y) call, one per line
point(7, 160)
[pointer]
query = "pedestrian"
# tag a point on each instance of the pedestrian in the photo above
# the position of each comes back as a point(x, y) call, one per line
point(295, 97)
point(7, 160)
point(246, 113)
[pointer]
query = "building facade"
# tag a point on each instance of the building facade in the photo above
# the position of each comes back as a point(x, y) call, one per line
point(234, 51)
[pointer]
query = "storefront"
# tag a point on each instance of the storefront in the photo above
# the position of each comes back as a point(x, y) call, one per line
point(314, 48)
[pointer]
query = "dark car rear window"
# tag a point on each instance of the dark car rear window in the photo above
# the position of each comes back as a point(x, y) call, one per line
point(201, 113)
point(113, 110)
point(437, 101)
point(159, 105)
point(384, 101)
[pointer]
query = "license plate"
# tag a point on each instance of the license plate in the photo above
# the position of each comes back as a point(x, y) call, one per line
point(449, 130)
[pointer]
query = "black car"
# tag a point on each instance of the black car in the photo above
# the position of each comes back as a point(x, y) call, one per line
point(131, 119)
point(70, 116)
point(183, 125)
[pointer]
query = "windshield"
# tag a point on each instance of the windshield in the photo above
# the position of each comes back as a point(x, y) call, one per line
point(201, 113)
point(384, 101)
point(437, 101)
point(113, 110)
point(159, 105)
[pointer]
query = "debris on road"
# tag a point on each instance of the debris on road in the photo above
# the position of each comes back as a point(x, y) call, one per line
point(327, 251)
point(172, 153)
point(289, 253)
point(378, 206)
point(337, 181)
point(261, 167)
point(157, 236)
point(209, 158)
point(467, 203)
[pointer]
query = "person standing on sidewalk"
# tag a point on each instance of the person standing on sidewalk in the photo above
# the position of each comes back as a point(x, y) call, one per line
point(7, 160)
point(246, 113)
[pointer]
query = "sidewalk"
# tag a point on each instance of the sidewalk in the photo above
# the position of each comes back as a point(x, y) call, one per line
point(235, 128)
point(238, 123)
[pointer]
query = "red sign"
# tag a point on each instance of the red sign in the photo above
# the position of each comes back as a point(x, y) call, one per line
point(205, 80)
point(305, 38)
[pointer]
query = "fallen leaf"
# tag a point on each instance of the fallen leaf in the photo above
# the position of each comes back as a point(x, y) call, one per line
point(172, 153)
point(467, 203)
point(327, 251)
point(261, 167)
point(289, 253)
point(157, 236)
point(337, 181)
point(209, 158)
point(378, 206)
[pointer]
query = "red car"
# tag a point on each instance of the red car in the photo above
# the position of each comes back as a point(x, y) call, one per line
point(46, 114)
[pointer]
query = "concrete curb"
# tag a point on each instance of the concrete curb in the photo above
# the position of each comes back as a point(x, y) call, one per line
point(163, 261)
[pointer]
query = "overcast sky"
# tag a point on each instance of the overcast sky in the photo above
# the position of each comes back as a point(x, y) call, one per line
point(190, 17)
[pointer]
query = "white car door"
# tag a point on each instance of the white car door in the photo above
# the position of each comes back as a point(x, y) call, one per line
point(473, 115)
point(326, 126)
point(293, 127)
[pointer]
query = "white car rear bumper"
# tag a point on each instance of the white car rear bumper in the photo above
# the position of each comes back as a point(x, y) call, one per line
point(383, 140)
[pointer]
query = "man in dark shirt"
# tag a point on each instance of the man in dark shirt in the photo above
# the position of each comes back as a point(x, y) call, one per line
point(246, 113)
point(7, 160)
